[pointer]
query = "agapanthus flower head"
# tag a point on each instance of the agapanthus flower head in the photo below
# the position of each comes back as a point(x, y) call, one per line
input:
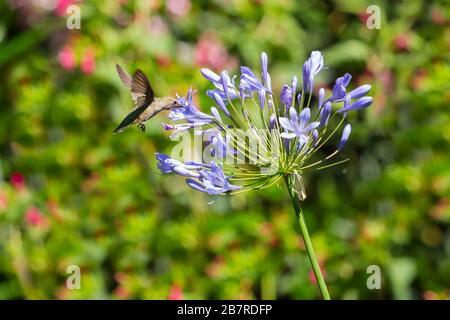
point(251, 139)
point(311, 68)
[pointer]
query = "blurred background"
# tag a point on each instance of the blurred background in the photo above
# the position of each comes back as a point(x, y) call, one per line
point(72, 193)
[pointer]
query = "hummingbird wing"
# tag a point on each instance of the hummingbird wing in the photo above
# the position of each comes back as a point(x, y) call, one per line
point(141, 91)
point(124, 76)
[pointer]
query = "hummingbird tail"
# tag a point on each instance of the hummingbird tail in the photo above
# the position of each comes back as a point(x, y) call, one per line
point(119, 129)
point(129, 119)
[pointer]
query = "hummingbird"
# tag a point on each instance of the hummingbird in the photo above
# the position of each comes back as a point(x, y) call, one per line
point(146, 105)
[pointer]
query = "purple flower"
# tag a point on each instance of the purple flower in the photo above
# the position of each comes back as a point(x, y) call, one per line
point(225, 87)
point(163, 165)
point(264, 74)
point(294, 84)
point(262, 98)
point(268, 85)
point(216, 142)
point(321, 97)
point(225, 81)
point(249, 82)
point(198, 165)
point(212, 181)
point(272, 121)
point(210, 75)
point(298, 125)
point(315, 135)
point(216, 114)
point(339, 88)
point(221, 104)
point(188, 111)
point(360, 91)
point(325, 114)
point(345, 135)
point(177, 128)
point(169, 165)
point(286, 96)
point(311, 67)
point(364, 102)
point(211, 178)
point(299, 99)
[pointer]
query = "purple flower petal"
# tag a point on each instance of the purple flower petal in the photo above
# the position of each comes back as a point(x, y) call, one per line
point(293, 116)
point(325, 114)
point(163, 166)
point(339, 89)
point(294, 84)
point(360, 91)
point(315, 135)
point(285, 123)
point(262, 98)
point(321, 97)
point(287, 135)
point(311, 126)
point(286, 96)
point(195, 185)
point(273, 120)
point(364, 102)
point(216, 114)
point(345, 135)
point(188, 111)
point(167, 127)
point(221, 104)
point(249, 82)
point(212, 180)
point(264, 72)
point(311, 67)
point(183, 171)
point(268, 85)
point(346, 79)
point(224, 80)
point(304, 117)
point(210, 75)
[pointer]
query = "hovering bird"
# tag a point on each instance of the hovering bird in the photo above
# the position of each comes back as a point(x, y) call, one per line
point(146, 105)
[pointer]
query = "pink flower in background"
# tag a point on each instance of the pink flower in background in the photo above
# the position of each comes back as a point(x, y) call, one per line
point(88, 62)
point(363, 16)
point(121, 292)
point(3, 201)
point(437, 16)
point(430, 295)
point(17, 180)
point(402, 42)
point(34, 217)
point(163, 60)
point(66, 58)
point(62, 5)
point(175, 293)
point(210, 52)
point(157, 26)
point(179, 7)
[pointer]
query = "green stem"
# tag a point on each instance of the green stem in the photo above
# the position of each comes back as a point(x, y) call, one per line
point(308, 244)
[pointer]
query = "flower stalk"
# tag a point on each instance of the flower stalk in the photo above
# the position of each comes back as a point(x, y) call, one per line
point(307, 240)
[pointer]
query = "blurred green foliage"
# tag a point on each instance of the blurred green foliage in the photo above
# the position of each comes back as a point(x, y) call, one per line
point(72, 193)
